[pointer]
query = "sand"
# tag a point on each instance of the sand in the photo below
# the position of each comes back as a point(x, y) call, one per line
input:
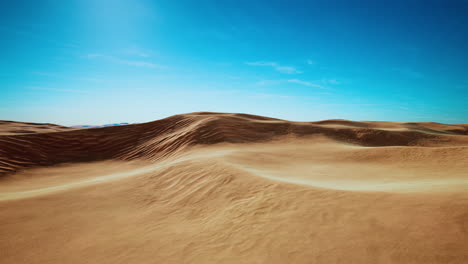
point(16, 128)
point(236, 188)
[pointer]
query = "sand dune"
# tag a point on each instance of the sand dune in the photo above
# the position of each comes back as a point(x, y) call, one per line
point(236, 188)
point(15, 128)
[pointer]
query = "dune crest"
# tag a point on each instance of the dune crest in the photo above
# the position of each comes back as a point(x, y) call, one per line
point(159, 139)
point(236, 188)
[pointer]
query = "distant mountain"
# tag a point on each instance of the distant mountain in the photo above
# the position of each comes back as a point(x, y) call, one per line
point(106, 125)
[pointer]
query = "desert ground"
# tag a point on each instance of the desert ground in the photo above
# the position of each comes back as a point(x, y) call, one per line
point(234, 188)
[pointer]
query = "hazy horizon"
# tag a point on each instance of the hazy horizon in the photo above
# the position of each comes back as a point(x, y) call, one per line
point(100, 62)
point(93, 125)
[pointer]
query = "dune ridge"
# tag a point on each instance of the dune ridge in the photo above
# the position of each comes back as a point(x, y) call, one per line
point(162, 138)
point(15, 128)
point(236, 188)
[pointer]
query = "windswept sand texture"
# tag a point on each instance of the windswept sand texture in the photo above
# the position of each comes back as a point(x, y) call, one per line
point(236, 188)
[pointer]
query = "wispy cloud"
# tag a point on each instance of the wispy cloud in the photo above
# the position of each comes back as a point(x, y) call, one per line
point(141, 64)
point(276, 66)
point(310, 62)
point(306, 83)
point(62, 76)
point(331, 81)
point(136, 63)
point(294, 81)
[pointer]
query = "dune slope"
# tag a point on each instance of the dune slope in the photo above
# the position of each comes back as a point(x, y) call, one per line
point(169, 136)
point(236, 188)
point(15, 128)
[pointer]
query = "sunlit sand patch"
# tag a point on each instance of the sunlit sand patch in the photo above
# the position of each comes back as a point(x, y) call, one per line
point(435, 185)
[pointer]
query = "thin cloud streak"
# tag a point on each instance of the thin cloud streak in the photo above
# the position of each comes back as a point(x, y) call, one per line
point(310, 84)
point(276, 66)
point(331, 81)
point(62, 76)
point(139, 52)
point(293, 81)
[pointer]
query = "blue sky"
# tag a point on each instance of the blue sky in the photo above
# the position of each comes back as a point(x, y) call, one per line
point(104, 61)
